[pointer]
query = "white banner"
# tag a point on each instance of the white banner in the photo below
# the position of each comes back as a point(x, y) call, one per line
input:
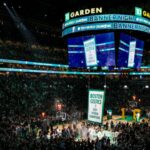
point(90, 52)
point(96, 105)
point(131, 54)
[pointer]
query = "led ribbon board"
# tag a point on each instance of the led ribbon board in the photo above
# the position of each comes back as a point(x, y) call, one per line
point(107, 26)
point(106, 18)
point(69, 72)
point(96, 105)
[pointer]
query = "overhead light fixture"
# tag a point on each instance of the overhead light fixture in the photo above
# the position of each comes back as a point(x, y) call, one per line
point(105, 86)
point(125, 87)
point(4, 4)
point(147, 86)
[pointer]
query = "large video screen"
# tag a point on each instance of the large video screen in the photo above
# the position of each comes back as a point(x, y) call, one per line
point(130, 51)
point(92, 51)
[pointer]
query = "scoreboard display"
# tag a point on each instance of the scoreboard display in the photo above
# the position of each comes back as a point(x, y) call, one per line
point(100, 50)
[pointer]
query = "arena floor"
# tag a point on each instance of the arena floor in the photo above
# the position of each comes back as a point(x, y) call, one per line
point(115, 119)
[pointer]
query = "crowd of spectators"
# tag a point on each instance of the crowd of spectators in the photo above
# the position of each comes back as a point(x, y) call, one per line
point(24, 133)
point(38, 53)
point(25, 96)
point(34, 94)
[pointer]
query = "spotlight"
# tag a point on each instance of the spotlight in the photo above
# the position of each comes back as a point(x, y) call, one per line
point(43, 114)
point(105, 86)
point(4, 4)
point(147, 86)
point(125, 87)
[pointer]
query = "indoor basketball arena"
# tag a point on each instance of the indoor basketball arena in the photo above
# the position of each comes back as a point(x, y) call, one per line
point(74, 75)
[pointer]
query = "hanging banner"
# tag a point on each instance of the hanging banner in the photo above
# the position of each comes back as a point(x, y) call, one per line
point(96, 105)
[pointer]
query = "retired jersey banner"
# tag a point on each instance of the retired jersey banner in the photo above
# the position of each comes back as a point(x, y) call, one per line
point(96, 105)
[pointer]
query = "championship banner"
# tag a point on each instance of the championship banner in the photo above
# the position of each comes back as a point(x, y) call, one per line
point(96, 105)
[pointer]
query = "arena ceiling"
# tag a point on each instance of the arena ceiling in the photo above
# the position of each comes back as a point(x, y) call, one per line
point(51, 11)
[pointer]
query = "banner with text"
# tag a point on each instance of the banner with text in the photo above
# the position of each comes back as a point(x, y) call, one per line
point(96, 105)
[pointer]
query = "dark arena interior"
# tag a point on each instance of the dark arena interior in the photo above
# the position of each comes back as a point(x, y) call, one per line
point(75, 75)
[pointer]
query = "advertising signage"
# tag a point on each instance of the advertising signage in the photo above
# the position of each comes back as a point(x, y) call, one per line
point(140, 12)
point(82, 12)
